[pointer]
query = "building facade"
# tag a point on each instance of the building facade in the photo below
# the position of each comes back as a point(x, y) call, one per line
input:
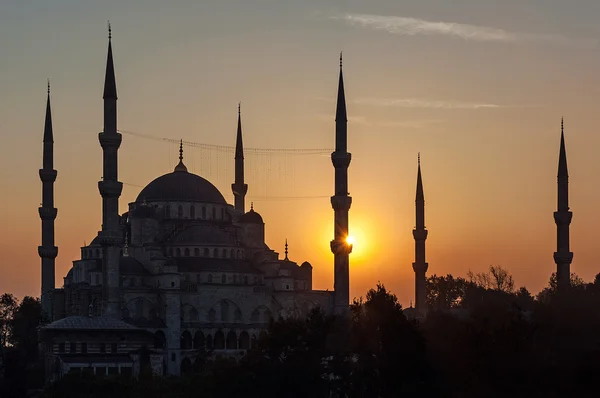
point(179, 272)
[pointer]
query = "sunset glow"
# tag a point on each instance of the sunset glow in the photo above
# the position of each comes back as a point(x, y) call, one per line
point(470, 87)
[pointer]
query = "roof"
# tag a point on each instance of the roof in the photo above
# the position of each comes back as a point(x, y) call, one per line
point(251, 217)
point(89, 323)
point(197, 264)
point(181, 186)
point(129, 266)
point(95, 358)
point(204, 234)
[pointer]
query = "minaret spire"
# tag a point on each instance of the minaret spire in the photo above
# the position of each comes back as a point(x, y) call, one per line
point(239, 188)
point(420, 234)
point(180, 166)
point(111, 237)
point(286, 250)
point(562, 217)
point(341, 202)
point(48, 251)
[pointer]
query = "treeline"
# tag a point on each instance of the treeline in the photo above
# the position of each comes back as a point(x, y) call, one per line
point(482, 338)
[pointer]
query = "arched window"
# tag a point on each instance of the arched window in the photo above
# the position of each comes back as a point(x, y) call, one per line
point(167, 211)
point(214, 213)
point(170, 252)
point(196, 252)
point(186, 341)
point(231, 341)
point(222, 214)
point(180, 211)
point(206, 254)
point(219, 340)
point(223, 278)
point(192, 212)
point(187, 252)
point(199, 340)
point(239, 253)
point(209, 278)
point(203, 212)
point(244, 341)
point(178, 252)
point(97, 253)
point(245, 279)
point(223, 253)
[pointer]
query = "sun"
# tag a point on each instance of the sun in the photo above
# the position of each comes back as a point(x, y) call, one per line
point(350, 240)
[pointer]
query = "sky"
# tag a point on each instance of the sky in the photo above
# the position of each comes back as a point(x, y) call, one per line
point(478, 87)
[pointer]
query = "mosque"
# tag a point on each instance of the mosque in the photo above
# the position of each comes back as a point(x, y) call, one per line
point(181, 272)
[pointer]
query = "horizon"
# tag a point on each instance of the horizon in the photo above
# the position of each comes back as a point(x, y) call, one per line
point(487, 126)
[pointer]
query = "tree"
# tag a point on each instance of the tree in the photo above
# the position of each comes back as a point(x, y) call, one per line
point(497, 278)
point(445, 292)
point(8, 306)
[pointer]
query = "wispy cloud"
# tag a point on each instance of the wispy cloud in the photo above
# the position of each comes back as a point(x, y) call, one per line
point(363, 120)
point(412, 26)
point(424, 103)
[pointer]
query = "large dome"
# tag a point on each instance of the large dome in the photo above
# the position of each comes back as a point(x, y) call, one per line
point(181, 186)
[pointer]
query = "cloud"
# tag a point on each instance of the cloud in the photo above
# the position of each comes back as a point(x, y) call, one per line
point(412, 26)
point(424, 103)
point(363, 120)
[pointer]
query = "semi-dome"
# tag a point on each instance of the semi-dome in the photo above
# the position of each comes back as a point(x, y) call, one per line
point(251, 217)
point(181, 186)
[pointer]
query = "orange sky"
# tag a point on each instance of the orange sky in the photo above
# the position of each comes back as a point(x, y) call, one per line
point(482, 102)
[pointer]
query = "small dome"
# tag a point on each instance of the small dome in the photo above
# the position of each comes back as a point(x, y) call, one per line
point(181, 186)
point(251, 217)
point(306, 264)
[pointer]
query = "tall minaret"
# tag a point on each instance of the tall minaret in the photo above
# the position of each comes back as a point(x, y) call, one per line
point(563, 256)
point(420, 235)
point(47, 250)
point(341, 202)
point(238, 187)
point(110, 188)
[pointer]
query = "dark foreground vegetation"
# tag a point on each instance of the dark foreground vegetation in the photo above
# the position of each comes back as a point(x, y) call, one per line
point(482, 338)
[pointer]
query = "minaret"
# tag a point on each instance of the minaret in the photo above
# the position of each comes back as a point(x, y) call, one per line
point(341, 202)
point(420, 234)
point(562, 217)
point(47, 250)
point(238, 187)
point(110, 189)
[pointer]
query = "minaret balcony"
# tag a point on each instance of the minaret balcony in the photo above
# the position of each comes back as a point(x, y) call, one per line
point(420, 267)
point(341, 202)
point(48, 252)
point(563, 257)
point(110, 189)
point(420, 234)
point(47, 175)
point(341, 159)
point(48, 213)
point(340, 247)
point(110, 140)
point(239, 189)
point(563, 217)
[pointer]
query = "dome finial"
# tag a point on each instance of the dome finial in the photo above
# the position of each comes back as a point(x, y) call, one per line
point(341, 59)
point(286, 249)
point(251, 206)
point(180, 166)
point(109, 31)
point(48, 86)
